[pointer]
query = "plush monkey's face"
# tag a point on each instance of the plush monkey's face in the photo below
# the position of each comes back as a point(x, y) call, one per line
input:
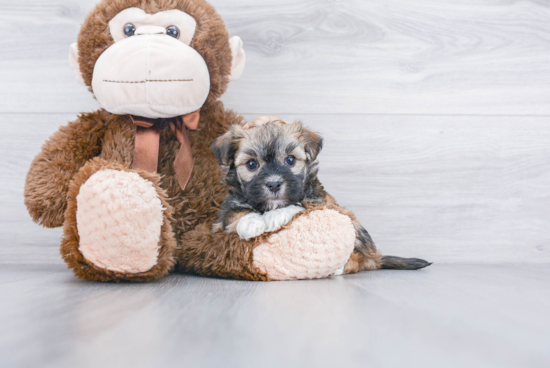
point(152, 65)
point(270, 162)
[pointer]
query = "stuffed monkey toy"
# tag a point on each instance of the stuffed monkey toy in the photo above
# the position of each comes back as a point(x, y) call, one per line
point(136, 185)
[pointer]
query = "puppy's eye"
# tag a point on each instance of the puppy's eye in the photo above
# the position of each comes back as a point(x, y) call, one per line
point(252, 165)
point(129, 29)
point(290, 160)
point(173, 31)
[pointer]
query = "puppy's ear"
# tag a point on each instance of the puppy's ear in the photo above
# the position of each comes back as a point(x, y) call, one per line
point(226, 145)
point(222, 148)
point(313, 143)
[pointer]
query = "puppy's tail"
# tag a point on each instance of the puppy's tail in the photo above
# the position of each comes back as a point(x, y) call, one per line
point(398, 263)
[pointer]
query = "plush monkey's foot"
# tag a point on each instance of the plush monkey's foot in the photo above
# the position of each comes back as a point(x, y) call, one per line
point(315, 245)
point(118, 219)
point(120, 224)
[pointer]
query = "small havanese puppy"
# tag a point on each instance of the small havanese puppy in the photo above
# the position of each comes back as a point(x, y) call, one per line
point(271, 172)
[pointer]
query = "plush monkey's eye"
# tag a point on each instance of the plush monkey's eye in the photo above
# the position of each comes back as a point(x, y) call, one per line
point(252, 165)
point(290, 160)
point(173, 31)
point(129, 29)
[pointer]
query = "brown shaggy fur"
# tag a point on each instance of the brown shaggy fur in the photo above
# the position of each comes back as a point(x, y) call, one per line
point(217, 254)
point(54, 167)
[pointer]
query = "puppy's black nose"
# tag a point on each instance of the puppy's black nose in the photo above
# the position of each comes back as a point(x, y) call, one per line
point(274, 186)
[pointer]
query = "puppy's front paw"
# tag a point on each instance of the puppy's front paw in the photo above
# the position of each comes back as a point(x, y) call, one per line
point(276, 219)
point(250, 226)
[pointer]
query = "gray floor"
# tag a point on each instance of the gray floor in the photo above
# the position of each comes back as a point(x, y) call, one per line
point(444, 316)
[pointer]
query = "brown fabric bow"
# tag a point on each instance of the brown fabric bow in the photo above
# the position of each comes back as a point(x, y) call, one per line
point(146, 151)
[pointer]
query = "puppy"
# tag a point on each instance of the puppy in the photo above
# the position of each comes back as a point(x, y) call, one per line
point(272, 172)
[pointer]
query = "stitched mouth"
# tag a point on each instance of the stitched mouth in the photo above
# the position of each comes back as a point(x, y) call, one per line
point(149, 81)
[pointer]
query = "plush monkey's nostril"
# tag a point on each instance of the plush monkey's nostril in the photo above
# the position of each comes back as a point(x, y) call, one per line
point(274, 186)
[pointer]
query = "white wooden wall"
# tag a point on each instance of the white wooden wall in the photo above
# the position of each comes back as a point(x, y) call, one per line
point(436, 114)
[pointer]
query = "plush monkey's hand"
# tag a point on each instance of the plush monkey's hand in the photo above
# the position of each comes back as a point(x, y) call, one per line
point(316, 244)
point(254, 224)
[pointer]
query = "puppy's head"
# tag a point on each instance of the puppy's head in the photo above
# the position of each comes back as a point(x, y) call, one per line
point(269, 161)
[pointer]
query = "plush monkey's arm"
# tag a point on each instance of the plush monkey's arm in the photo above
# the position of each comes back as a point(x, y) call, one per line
point(53, 168)
point(315, 244)
point(218, 254)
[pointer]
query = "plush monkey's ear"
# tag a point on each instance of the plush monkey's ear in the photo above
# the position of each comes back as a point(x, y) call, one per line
point(313, 143)
point(239, 58)
point(73, 60)
point(226, 146)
